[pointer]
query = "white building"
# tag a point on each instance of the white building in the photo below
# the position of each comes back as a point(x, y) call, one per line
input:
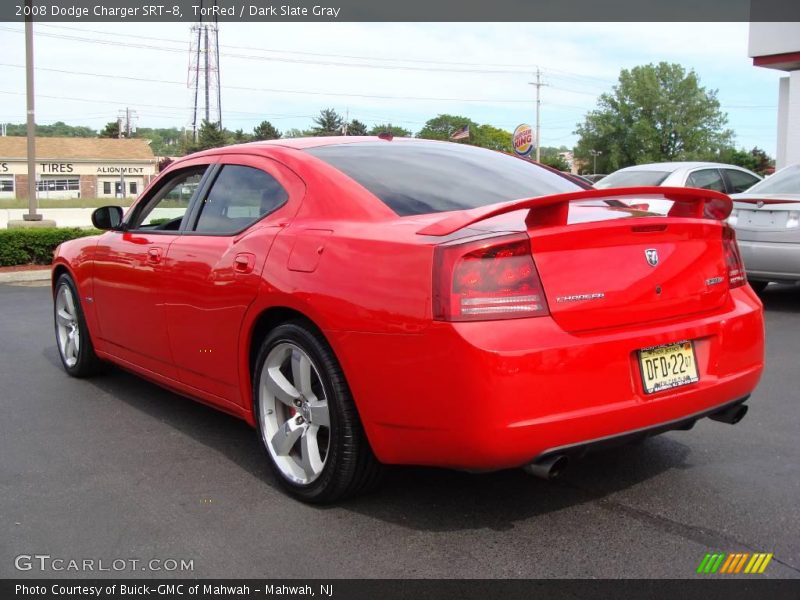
point(777, 46)
point(77, 167)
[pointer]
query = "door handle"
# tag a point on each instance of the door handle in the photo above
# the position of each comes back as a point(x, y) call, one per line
point(154, 255)
point(244, 262)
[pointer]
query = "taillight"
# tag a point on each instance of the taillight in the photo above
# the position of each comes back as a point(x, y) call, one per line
point(487, 279)
point(733, 260)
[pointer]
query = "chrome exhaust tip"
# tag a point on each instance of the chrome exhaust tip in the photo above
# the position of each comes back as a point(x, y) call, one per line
point(731, 415)
point(548, 467)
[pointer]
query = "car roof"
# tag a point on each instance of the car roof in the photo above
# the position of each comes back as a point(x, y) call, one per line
point(674, 166)
point(302, 143)
point(298, 144)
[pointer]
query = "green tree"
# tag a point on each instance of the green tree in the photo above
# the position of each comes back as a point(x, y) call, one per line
point(356, 127)
point(57, 129)
point(266, 131)
point(732, 156)
point(163, 141)
point(209, 136)
point(240, 137)
point(654, 113)
point(494, 138)
point(294, 132)
point(111, 130)
point(763, 162)
point(329, 122)
point(552, 157)
point(393, 129)
point(441, 126)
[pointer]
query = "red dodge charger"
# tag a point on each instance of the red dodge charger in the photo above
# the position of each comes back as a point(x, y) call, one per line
point(370, 301)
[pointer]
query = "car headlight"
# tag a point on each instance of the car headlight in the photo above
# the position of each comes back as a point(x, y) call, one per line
point(793, 220)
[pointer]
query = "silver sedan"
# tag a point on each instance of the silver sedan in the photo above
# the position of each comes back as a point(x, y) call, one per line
point(728, 179)
point(767, 223)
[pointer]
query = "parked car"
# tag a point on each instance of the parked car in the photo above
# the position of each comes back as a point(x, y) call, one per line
point(767, 223)
point(728, 179)
point(365, 301)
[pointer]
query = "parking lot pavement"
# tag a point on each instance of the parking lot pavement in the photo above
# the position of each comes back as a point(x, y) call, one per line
point(117, 468)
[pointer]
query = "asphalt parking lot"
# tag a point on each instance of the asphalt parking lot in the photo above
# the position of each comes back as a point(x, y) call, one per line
point(117, 468)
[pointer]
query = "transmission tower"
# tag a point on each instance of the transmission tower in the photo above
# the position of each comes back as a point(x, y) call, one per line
point(204, 73)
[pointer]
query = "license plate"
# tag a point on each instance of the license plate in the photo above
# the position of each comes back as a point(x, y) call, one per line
point(763, 218)
point(668, 366)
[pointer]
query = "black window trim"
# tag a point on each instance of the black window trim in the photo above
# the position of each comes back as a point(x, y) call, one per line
point(143, 203)
point(193, 213)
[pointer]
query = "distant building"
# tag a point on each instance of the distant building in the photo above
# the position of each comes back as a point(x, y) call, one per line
point(77, 167)
point(777, 46)
point(569, 158)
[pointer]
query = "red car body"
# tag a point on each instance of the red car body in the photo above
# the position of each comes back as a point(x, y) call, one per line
point(186, 310)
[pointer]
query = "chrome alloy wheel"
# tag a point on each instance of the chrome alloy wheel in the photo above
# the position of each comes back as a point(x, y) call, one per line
point(67, 327)
point(293, 410)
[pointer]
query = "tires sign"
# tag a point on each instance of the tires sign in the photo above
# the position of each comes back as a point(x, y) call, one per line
point(522, 140)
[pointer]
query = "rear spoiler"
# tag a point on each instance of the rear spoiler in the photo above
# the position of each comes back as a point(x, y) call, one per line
point(552, 211)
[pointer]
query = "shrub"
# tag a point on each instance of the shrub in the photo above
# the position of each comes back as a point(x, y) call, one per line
point(35, 246)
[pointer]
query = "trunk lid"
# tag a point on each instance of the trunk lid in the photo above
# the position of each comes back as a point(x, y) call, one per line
point(766, 212)
point(628, 271)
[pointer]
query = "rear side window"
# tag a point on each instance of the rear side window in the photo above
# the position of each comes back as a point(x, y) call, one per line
point(632, 179)
point(239, 197)
point(707, 179)
point(420, 178)
point(739, 180)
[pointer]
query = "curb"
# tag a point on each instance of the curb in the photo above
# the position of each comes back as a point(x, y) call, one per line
point(21, 276)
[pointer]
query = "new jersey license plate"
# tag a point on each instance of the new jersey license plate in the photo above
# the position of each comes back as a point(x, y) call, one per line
point(668, 366)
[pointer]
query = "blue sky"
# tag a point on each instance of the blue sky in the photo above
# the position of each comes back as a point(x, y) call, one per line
point(482, 70)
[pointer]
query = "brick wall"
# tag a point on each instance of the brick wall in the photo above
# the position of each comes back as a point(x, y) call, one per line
point(21, 186)
point(88, 186)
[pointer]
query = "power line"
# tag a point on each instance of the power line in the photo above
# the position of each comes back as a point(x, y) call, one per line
point(326, 63)
point(277, 90)
point(523, 67)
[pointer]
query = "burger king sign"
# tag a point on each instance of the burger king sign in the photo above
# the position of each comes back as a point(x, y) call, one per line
point(522, 140)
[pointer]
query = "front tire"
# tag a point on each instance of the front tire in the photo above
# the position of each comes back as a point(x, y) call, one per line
point(72, 335)
point(307, 419)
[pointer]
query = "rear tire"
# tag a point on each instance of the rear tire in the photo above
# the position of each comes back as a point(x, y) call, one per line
point(307, 419)
point(758, 286)
point(72, 335)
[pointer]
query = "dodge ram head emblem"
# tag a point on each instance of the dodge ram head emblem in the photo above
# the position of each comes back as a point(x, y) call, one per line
point(652, 256)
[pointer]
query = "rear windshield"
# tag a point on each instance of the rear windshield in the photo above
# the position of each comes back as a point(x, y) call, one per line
point(420, 178)
point(785, 181)
point(632, 178)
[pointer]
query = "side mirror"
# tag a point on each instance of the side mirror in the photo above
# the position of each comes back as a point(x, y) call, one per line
point(107, 217)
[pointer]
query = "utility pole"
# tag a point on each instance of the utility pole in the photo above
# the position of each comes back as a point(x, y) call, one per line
point(538, 83)
point(208, 83)
point(595, 154)
point(32, 214)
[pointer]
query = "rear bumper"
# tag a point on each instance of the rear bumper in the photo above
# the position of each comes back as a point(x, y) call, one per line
point(770, 261)
point(490, 395)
